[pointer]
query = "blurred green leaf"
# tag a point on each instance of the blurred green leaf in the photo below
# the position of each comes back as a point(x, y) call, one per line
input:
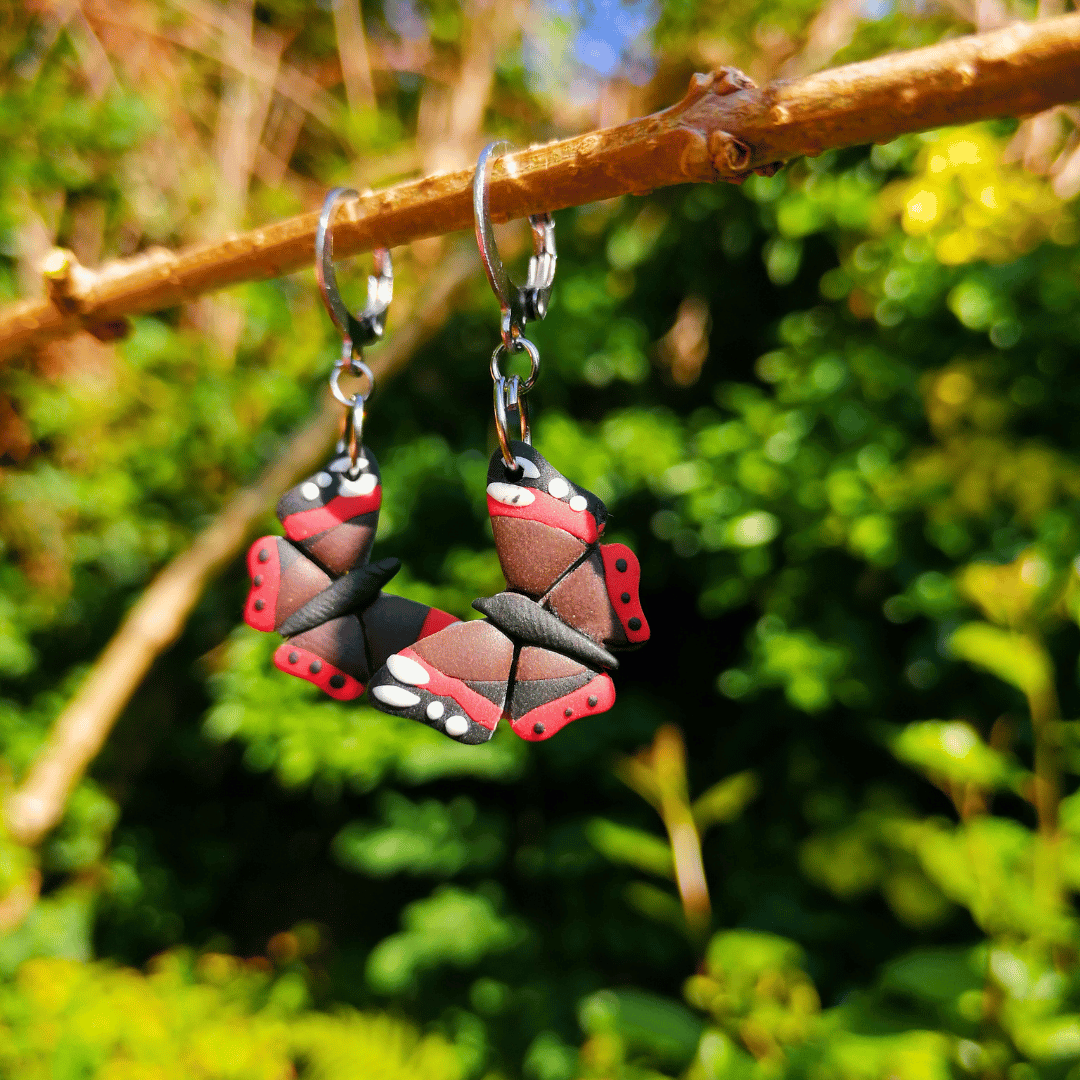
point(954, 751)
point(1013, 658)
point(432, 837)
point(452, 926)
point(638, 849)
point(725, 800)
point(664, 1028)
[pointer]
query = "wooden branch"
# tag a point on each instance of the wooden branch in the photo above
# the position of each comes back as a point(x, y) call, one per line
point(723, 129)
point(158, 617)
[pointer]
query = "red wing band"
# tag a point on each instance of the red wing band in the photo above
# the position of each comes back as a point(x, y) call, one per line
point(306, 665)
point(264, 566)
point(540, 723)
point(541, 507)
point(305, 523)
point(622, 573)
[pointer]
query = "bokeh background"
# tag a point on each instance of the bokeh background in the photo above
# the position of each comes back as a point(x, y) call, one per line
point(835, 411)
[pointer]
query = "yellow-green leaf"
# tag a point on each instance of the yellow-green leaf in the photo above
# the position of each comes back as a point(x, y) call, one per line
point(725, 800)
point(1014, 658)
point(639, 849)
point(953, 749)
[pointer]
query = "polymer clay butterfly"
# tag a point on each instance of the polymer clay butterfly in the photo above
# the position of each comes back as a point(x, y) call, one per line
point(316, 588)
point(540, 658)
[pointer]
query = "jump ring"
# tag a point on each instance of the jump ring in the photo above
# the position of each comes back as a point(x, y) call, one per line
point(356, 367)
point(522, 345)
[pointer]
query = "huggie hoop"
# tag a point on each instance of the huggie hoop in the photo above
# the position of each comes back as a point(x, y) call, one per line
point(367, 327)
point(519, 303)
point(510, 394)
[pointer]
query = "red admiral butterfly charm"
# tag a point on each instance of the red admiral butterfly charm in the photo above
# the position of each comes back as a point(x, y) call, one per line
point(316, 588)
point(540, 659)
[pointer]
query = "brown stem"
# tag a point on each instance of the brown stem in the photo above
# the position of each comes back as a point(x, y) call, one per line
point(668, 760)
point(353, 51)
point(159, 616)
point(1045, 712)
point(1045, 715)
point(723, 129)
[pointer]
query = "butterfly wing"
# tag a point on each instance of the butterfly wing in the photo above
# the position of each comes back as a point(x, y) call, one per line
point(316, 587)
point(332, 517)
point(547, 532)
point(551, 690)
point(282, 581)
point(463, 680)
point(600, 597)
point(454, 681)
point(392, 622)
point(331, 655)
point(540, 660)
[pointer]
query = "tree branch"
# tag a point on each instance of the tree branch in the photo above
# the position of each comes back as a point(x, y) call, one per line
point(723, 129)
point(158, 617)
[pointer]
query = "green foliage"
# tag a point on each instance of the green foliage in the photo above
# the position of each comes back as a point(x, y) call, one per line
point(436, 838)
point(725, 800)
point(452, 926)
point(216, 1017)
point(955, 752)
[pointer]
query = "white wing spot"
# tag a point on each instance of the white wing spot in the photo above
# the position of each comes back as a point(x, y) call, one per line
point(323, 479)
point(511, 494)
point(456, 726)
point(435, 710)
point(559, 487)
point(407, 670)
point(364, 484)
point(310, 491)
point(344, 463)
point(396, 696)
point(578, 502)
point(528, 468)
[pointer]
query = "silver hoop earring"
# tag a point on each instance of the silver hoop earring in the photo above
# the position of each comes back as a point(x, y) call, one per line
point(356, 330)
point(519, 303)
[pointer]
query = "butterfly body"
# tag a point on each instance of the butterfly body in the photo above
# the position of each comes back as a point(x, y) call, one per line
point(540, 658)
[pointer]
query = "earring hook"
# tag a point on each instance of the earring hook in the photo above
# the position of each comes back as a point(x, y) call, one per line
point(519, 303)
point(368, 326)
point(356, 330)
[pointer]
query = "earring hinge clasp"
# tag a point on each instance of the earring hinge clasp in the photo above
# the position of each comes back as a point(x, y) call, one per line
point(519, 303)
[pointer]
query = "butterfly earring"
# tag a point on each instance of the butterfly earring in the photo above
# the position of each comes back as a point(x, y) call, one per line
point(541, 656)
point(314, 585)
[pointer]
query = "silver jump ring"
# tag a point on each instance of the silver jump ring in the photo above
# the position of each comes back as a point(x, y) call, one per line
point(355, 367)
point(520, 345)
point(519, 303)
point(367, 327)
point(510, 394)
